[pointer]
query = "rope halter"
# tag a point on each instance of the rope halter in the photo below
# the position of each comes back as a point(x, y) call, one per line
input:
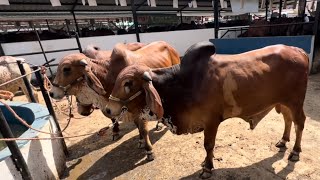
point(125, 102)
point(68, 86)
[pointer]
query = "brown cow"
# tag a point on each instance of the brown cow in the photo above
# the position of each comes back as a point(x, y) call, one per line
point(95, 52)
point(101, 76)
point(208, 88)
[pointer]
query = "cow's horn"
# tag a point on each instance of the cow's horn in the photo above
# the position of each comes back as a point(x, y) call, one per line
point(83, 62)
point(146, 76)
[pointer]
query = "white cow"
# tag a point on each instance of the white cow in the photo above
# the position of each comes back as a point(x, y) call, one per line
point(9, 70)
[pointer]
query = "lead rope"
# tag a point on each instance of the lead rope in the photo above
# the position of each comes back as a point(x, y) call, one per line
point(46, 82)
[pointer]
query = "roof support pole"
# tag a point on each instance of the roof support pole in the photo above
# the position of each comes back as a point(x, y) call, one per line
point(267, 5)
point(48, 24)
point(280, 8)
point(135, 20)
point(302, 7)
point(16, 155)
point(75, 22)
point(1, 50)
point(141, 4)
point(316, 33)
point(42, 49)
point(216, 18)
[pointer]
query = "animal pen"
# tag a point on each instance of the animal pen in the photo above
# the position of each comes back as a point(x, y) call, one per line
point(226, 39)
point(18, 158)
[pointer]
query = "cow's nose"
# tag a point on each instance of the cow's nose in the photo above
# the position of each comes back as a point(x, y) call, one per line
point(108, 111)
point(51, 94)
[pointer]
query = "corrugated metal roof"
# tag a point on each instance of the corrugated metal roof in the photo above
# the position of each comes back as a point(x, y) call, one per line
point(108, 7)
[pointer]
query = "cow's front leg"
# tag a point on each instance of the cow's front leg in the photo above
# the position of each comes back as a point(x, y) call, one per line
point(115, 130)
point(158, 126)
point(144, 132)
point(209, 142)
point(140, 142)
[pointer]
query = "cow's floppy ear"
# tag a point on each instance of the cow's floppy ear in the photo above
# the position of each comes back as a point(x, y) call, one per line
point(91, 79)
point(153, 99)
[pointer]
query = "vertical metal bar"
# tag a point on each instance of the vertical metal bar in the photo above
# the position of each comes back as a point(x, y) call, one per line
point(316, 32)
point(75, 22)
point(67, 25)
point(1, 50)
point(26, 82)
point(135, 19)
point(49, 106)
point(181, 21)
point(16, 155)
point(280, 8)
point(267, 5)
point(302, 8)
point(216, 19)
point(48, 25)
point(43, 52)
point(78, 42)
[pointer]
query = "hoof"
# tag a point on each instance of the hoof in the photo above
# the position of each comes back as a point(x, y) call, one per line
point(281, 144)
point(141, 144)
point(158, 127)
point(150, 156)
point(205, 173)
point(115, 136)
point(294, 157)
point(203, 163)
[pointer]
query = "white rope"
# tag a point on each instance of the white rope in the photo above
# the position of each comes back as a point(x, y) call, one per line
point(3, 84)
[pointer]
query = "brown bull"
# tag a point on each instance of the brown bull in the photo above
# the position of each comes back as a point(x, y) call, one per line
point(208, 88)
point(101, 75)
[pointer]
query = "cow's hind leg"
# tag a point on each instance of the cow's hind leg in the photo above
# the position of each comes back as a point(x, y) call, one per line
point(209, 143)
point(143, 129)
point(287, 116)
point(299, 120)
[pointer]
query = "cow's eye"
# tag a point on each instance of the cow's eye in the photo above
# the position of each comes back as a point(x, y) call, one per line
point(66, 70)
point(127, 86)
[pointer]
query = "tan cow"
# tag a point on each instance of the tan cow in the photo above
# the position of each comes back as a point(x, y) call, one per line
point(208, 88)
point(101, 75)
point(95, 52)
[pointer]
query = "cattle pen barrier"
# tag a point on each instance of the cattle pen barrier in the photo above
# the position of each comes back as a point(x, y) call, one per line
point(5, 129)
point(8, 137)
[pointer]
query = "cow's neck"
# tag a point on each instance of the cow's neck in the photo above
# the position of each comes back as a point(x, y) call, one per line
point(86, 95)
point(176, 91)
point(101, 69)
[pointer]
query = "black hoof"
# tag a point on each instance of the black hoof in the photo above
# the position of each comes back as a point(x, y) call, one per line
point(205, 173)
point(280, 144)
point(158, 127)
point(294, 157)
point(115, 136)
point(141, 144)
point(150, 156)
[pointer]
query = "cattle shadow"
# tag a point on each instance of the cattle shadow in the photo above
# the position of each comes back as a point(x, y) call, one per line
point(95, 142)
point(125, 157)
point(260, 170)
